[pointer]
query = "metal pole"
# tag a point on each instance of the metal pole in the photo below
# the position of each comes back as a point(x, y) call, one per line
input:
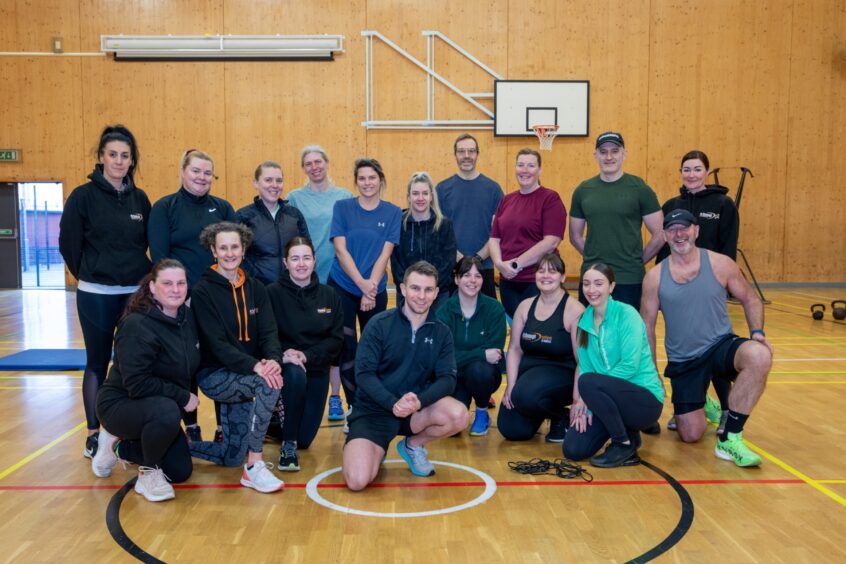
point(35, 233)
point(47, 235)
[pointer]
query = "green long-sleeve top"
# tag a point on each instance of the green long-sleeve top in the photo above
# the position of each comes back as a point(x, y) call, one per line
point(620, 348)
point(485, 329)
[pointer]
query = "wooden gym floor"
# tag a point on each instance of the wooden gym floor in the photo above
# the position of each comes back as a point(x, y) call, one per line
point(792, 509)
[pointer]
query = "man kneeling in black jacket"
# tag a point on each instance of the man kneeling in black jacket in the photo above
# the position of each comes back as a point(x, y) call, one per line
point(405, 371)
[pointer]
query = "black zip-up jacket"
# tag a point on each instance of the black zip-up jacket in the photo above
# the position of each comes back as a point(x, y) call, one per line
point(392, 360)
point(420, 241)
point(155, 355)
point(719, 222)
point(103, 232)
point(310, 320)
point(235, 321)
point(174, 230)
point(270, 235)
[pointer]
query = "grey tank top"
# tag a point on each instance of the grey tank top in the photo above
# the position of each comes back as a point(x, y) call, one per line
point(695, 315)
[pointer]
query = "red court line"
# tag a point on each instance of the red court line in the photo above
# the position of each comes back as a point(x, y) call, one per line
point(421, 485)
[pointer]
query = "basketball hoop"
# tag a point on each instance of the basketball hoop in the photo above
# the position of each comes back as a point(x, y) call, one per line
point(546, 135)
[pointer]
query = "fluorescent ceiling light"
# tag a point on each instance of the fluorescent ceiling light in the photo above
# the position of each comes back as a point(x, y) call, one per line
point(224, 47)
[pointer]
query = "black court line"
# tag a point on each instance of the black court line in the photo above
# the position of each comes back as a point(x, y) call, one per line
point(680, 530)
point(116, 530)
point(685, 520)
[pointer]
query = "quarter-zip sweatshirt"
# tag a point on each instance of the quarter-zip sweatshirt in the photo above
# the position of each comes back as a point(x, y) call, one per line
point(473, 335)
point(393, 359)
point(620, 348)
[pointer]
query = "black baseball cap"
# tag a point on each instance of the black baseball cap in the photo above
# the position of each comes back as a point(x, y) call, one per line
point(679, 217)
point(610, 137)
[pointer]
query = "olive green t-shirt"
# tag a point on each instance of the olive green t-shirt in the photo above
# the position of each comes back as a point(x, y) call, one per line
point(614, 213)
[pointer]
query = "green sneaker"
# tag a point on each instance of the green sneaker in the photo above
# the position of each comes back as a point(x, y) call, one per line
point(713, 410)
point(734, 449)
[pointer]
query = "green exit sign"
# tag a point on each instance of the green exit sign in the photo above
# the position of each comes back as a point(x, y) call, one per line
point(10, 155)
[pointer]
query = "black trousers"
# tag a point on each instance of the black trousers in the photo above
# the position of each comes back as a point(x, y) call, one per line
point(304, 397)
point(618, 407)
point(477, 381)
point(150, 434)
point(541, 392)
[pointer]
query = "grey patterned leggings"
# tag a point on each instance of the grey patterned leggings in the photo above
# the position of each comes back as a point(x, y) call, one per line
point(244, 420)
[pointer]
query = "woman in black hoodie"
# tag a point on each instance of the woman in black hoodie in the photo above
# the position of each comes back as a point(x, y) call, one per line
point(241, 356)
point(141, 403)
point(310, 320)
point(103, 240)
point(426, 235)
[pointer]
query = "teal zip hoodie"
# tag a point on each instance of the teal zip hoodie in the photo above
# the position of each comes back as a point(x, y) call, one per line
point(484, 330)
point(621, 348)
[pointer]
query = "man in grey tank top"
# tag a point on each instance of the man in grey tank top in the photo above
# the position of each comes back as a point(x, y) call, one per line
point(690, 290)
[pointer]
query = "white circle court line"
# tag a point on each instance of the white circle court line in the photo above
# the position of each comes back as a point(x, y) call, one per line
point(490, 489)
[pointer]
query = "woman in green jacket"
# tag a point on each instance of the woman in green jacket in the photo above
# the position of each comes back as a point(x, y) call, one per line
point(618, 392)
point(478, 329)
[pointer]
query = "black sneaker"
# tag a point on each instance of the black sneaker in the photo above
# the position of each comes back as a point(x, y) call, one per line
point(634, 437)
point(557, 430)
point(288, 459)
point(193, 433)
point(91, 445)
point(654, 429)
point(218, 436)
point(617, 454)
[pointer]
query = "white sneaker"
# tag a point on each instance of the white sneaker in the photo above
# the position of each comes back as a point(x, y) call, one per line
point(104, 458)
point(260, 478)
point(153, 485)
point(347, 421)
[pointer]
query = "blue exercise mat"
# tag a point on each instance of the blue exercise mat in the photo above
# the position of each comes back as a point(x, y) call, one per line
point(45, 359)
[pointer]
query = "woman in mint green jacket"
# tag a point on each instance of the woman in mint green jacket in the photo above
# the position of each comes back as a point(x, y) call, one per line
point(618, 391)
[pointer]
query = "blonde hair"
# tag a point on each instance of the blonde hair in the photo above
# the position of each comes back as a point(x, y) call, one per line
point(434, 206)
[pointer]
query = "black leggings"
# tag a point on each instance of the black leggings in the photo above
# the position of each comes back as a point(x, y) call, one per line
point(541, 392)
point(304, 397)
point(512, 293)
point(150, 435)
point(477, 381)
point(352, 310)
point(618, 407)
point(98, 317)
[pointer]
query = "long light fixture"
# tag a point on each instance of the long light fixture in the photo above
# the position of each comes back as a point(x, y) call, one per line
point(222, 47)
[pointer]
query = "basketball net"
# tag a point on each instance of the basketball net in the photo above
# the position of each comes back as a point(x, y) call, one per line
point(546, 135)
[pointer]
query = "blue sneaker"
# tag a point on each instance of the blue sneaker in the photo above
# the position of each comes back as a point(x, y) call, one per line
point(417, 459)
point(480, 423)
point(336, 409)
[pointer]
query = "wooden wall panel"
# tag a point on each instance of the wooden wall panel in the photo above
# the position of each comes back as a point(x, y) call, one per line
point(606, 43)
point(815, 205)
point(41, 110)
point(274, 109)
point(30, 25)
point(719, 82)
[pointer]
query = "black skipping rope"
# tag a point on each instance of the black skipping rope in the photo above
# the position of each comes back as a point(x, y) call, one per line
point(559, 467)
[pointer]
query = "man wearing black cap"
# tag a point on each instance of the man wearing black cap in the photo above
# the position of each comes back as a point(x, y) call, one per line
point(612, 206)
point(689, 288)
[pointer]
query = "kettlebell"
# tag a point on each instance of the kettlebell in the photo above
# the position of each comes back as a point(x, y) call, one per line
point(817, 311)
point(838, 311)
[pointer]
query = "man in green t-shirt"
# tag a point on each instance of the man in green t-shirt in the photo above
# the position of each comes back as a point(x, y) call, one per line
point(612, 205)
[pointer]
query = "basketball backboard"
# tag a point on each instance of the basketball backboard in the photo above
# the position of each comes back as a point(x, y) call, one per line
point(521, 104)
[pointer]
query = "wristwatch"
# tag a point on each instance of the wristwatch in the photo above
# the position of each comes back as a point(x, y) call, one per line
point(514, 265)
point(753, 331)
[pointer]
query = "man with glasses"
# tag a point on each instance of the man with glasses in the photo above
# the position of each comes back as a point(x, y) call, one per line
point(469, 199)
point(689, 288)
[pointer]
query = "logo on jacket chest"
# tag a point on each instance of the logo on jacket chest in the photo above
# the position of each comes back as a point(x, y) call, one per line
point(324, 310)
point(709, 215)
point(136, 216)
point(429, 340)
point(253, 310)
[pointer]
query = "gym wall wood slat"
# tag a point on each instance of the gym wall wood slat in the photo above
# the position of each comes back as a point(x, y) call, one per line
point(719, 83)
point(753, 84)
point(815, 239)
